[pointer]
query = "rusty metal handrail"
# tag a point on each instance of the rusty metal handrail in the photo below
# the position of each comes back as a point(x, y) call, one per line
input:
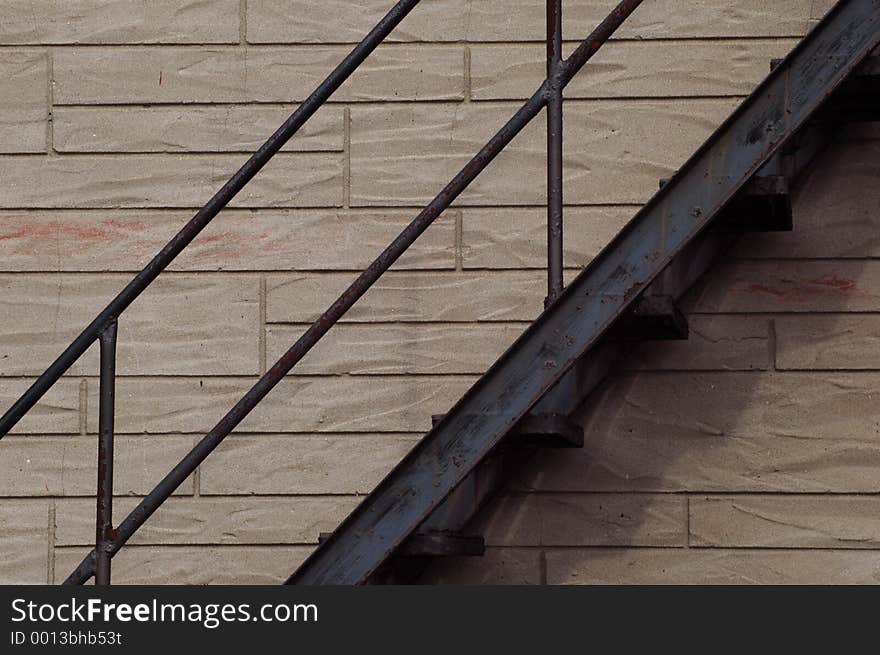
point(103, 327)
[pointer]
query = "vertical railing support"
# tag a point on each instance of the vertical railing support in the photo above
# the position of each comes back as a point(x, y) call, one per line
point(554, 151)
point(104, 533)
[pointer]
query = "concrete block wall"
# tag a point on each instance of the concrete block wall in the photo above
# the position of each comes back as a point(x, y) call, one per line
point(746, 454)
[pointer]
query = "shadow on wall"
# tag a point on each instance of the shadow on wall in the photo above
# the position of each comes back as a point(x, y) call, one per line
point(743, 454)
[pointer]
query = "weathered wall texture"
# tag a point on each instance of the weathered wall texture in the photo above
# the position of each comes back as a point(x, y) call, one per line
point(748, 454)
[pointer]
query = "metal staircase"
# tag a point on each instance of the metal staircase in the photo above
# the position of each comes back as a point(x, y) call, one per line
point(737, 181)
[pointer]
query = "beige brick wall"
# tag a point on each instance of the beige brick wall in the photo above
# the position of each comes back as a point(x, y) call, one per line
point(749, 453)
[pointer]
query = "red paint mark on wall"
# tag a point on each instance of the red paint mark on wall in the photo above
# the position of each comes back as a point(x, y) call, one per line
point(762, 288)
point(840, 284)
point(53, 230)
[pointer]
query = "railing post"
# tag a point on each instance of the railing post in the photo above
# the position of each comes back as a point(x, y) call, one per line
point(104, 533)
point(554, 151)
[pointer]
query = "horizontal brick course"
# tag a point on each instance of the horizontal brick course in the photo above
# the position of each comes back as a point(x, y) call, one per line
point(280, 21)
point(712, 566)
point(454, 297)
point(400, 349)
point(194, 565)
point(133, 181)
point(631, 69)
point(65, 466)
point(297, 404)
point(785, 521)
point(57, 412)
point(303, 464)
point(829, 341)
point(212, 521)
point(835, 285)
point(266, 239)
point(515, 238)
point(119, 21)
point(585, 520)
point(623, 150)
point(231, 128)
point(90, 76)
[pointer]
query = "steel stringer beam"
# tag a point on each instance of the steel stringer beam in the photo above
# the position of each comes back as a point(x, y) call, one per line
point(590, 305)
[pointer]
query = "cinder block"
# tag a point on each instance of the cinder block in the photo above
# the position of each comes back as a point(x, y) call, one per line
point(404, 155)
point(734, 343)
point(267, 239)
point(159, 180)
point(584, 520)
point(447, 297)
point(183, 325)
point(297, 404)
point(212, 521)
point(752, 286)
point(404, 349)
point(711, 566)
point(90, 76)
point(56, 413)
point(333, 464)
point(230, 128)
point(828, 341)
point(514, 238)
point(631, 69)
point(66, 466)
point(785, 521)
point(24, 534)
point(24, 100)
point(119, 21)
point(194, 565)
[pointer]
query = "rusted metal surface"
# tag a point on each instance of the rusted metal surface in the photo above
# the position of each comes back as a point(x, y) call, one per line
point(554, 152)
point(587, 309)
point(205, 215)
point(106, 415)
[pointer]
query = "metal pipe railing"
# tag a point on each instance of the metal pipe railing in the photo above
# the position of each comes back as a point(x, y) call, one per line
point(554, 152)
point(104, 327)
point(106, 416)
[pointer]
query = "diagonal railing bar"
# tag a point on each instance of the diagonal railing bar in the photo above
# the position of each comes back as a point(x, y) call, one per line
point(565, 70)
point(205, 215)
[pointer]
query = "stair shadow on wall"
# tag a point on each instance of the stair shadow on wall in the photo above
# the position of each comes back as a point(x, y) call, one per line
point(705, 460)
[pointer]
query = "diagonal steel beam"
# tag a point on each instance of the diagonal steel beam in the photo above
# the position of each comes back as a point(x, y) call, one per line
point(677, 214)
